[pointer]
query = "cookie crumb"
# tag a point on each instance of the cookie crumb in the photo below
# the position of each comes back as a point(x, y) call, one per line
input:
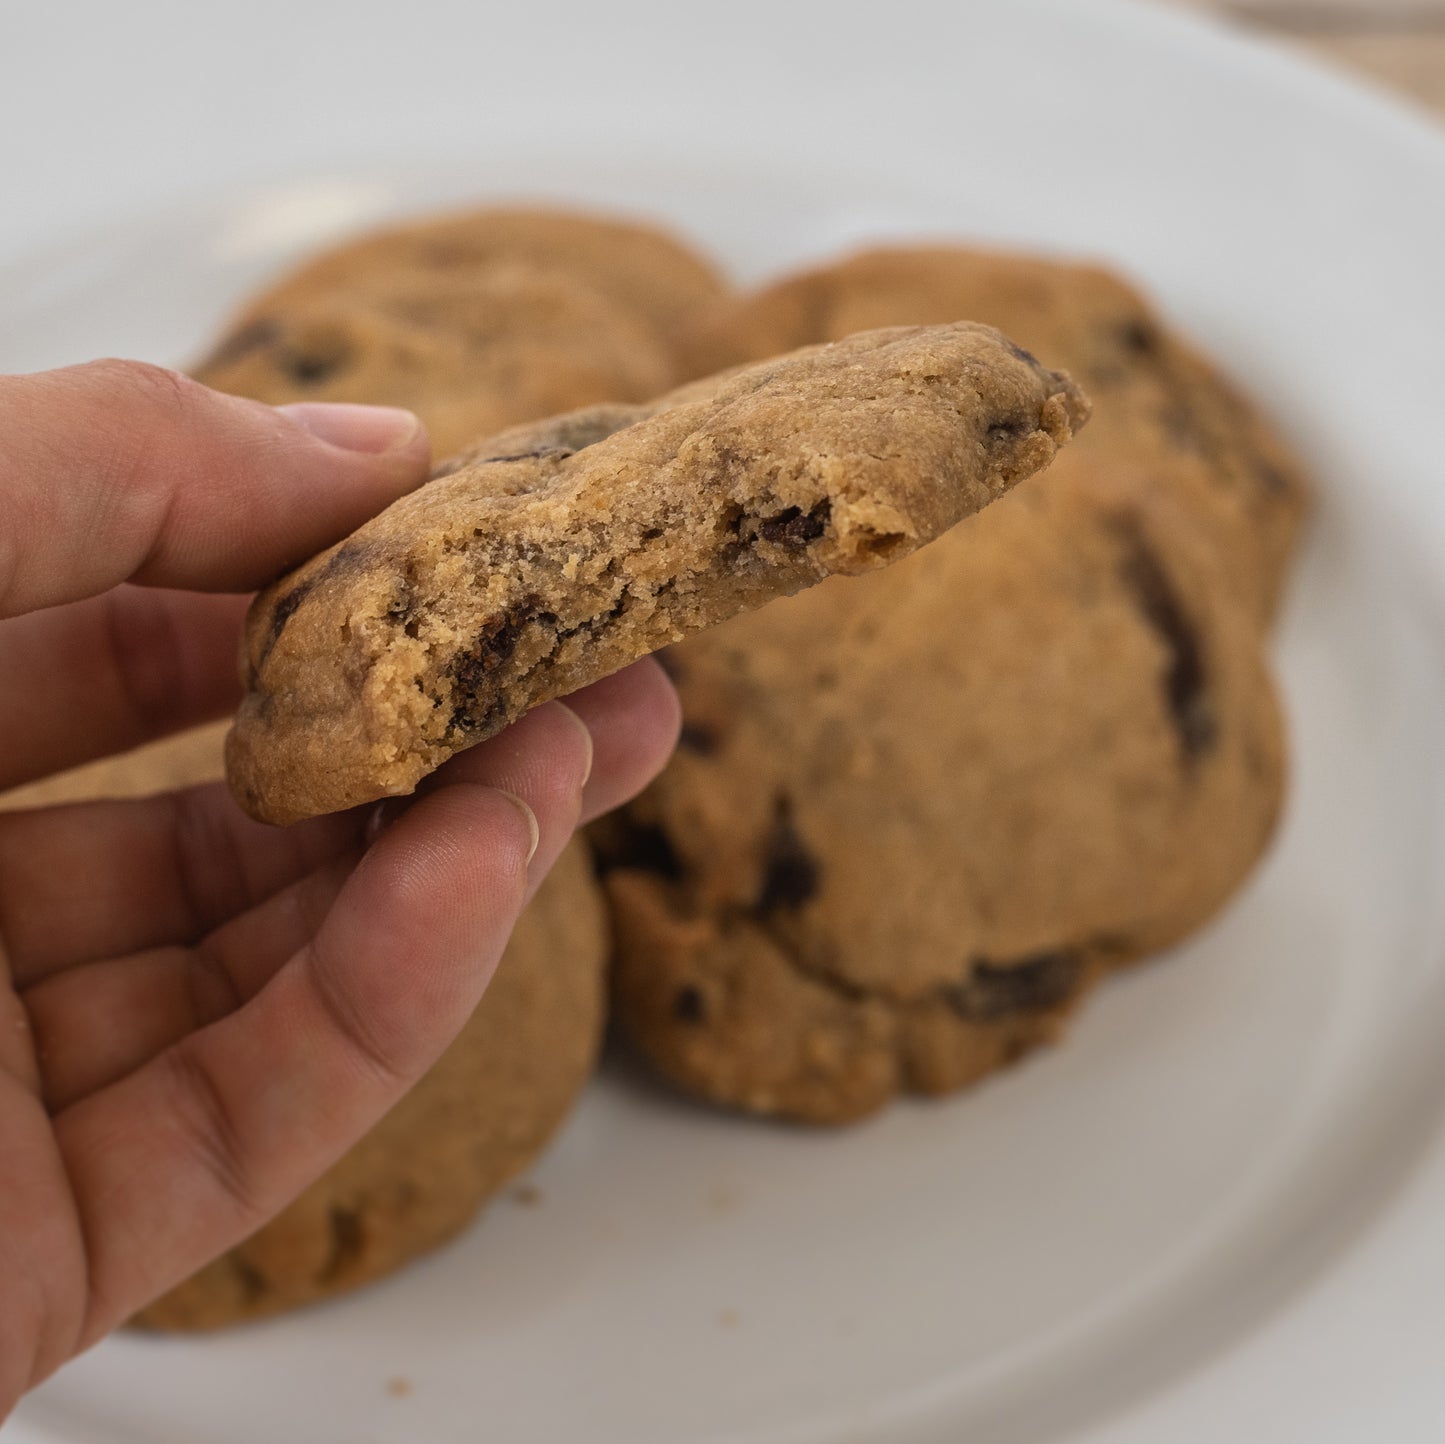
point(399, 1387)
point(527, 1194)
point(729, 1318)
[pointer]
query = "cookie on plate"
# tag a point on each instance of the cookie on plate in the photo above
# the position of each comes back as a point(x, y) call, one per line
point(1157, 402)
point(914, 816)
point(563, 551)
point(469, 354)
point(475, 321)
point(640, 267)
point(477, 1119)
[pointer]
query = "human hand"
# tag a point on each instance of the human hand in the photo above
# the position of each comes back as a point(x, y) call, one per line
point(199, 1014)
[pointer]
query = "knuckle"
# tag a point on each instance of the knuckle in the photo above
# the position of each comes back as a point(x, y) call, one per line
point(158, 385)
point(147, 657)
point(360, 1035)
point(568, 755)
point(209, 1129)
point(209, 864)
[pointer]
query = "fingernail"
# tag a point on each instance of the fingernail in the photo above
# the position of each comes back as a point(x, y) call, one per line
point(587, 733)
point(531, 821)
point(370, 429)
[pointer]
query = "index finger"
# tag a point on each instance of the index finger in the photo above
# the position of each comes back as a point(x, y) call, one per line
point(183, 1158)
point(118, 471)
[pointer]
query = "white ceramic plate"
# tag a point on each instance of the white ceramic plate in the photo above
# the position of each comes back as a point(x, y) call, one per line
point(1219, 1211)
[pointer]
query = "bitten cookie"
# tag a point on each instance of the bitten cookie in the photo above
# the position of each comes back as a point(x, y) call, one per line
point(584, 544)
point(475, 1121)
point(915, 815)
point(1156, 401)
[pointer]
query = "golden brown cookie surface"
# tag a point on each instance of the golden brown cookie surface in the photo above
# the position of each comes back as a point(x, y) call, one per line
point(915, 815)
point(524, 577)
point(1156, 401)
point(641, 267)
point(470, 355)
point(476, 321)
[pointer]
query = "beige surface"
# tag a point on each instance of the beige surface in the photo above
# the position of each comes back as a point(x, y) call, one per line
point(1400, 43)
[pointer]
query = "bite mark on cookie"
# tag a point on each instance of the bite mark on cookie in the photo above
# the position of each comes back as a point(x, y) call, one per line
point(526, 586)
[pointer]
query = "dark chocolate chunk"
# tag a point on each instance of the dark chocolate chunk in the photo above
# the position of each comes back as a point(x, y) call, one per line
point(471, 671)
point(1019, 354)
point(697, 737)
point(795, 527)
point(1186, 689)
point(1033, 984)
point(1140, 337)
point(790, 871)
point(309, 368)
point(348, 1240)
point(282, 611)
point(245, 339)
point(621, 843)
point(253, 1282)
point(1271, 477)
point(689, 1005)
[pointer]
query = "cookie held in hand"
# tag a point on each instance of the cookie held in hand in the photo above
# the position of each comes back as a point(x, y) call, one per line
point(565, 550)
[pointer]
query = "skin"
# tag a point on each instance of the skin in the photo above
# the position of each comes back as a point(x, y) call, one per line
point(199, 1014)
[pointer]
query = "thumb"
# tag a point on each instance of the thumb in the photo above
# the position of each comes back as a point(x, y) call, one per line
point(118, 470)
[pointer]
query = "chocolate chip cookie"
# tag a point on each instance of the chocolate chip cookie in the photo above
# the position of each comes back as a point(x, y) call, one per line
point(1156, 400)
point(477, 1119)
point(475, 321)
point(916, 815)
point(640, 267)
point(469, 354)
point(563, 551)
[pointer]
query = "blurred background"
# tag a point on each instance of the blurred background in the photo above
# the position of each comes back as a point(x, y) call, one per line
point(1398, 42)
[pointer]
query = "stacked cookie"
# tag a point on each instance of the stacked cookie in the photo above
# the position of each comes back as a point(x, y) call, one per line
point(916, 814)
